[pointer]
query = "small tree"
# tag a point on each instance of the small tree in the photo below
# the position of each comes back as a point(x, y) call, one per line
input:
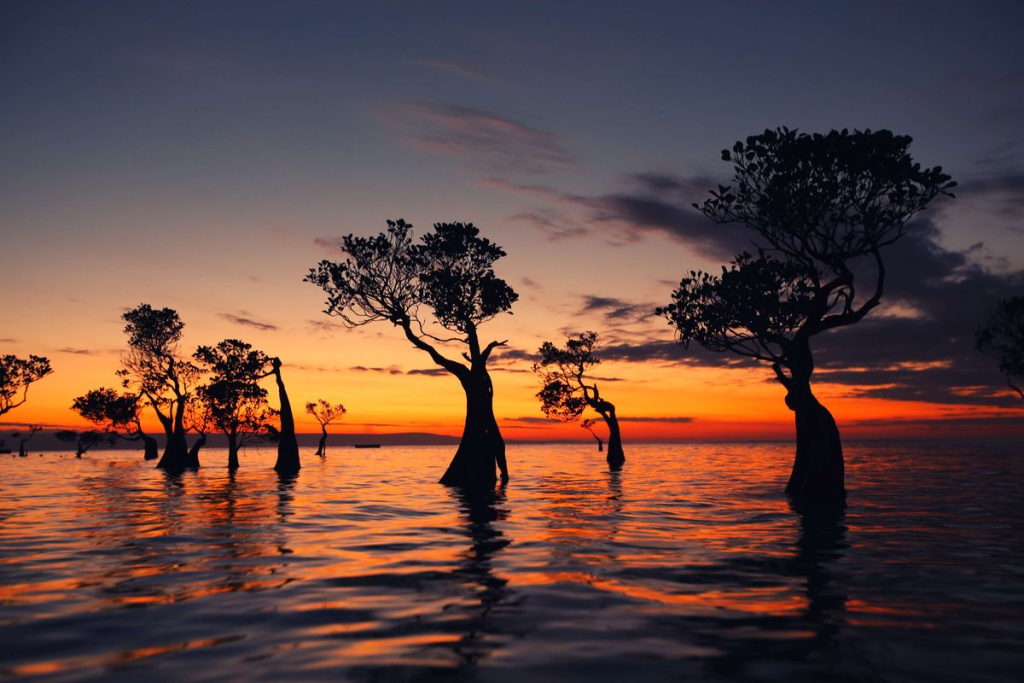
point(325, 413)
point(235, 404)
point(567, 391)
point(111, 411)
point(84, 441)
point(16, 375)
point(1002, 337)
point(448, 278)
point(824, 207)
point(153, 368)
point(588, 424)
point(32, 429)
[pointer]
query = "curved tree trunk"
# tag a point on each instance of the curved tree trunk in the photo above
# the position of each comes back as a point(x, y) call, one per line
point(818, 468)
point(232, 451)
point(321, 448)
point(288, 445)
point(615, 456)
point(600, 444)
point(193, 453)
point(482, 446)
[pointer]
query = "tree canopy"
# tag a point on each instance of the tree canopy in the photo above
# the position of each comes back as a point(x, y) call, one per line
point(16, 375)
point(445, 281)
point(822, 208)
point(1002, 337)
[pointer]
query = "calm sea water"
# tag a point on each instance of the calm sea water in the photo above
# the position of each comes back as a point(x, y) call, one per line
point(687, 565)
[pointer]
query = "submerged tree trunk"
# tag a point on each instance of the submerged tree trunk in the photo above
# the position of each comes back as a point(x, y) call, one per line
point(321, 448)
point(482, 446)
point(193, 453)
point(818, 468)
point(176, 455)
point(615, 456)
point(150, 447)
point(288, 445)
point(600, 444)
point(232, 451)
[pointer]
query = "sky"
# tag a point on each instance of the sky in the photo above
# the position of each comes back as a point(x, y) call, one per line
point(205, 155)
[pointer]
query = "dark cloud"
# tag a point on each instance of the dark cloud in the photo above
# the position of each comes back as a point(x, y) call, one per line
point(481, 139)
point(242, 319)
point(8, 340)
point(391, 369)
point(429, 372)
point(78, 352)
point(617, 310)
point(640, 418)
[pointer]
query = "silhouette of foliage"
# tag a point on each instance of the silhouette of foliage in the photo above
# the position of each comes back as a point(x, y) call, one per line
point(325, 413)
point(16, 375)
point(566, 390)
point(1002, 337)
point(443, 285)
point(152, 367)
point(84, 441)
point(821, 208)
point(109, 410)
point(32, 430)
point(233, 401)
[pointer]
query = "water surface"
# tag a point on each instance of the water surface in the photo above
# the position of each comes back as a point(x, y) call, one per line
point(689, 564)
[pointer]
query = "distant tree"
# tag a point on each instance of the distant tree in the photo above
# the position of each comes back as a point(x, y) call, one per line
point(84, 441)
point(1002, 337)
point(111, 411)
point(153, 368)
point(325, 413)
point(823, 208)
point(234, 403)
point(588, 424)
point(32, 429)
point(567, 391)
point(287, 444)
point(448, 279)
point(16, 375)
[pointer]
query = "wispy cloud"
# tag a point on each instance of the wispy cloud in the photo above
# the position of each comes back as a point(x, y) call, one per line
point(243, 319)
point(481, 139)
point(458, 69)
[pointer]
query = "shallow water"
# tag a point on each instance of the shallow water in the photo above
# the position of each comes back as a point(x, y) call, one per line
point(687, 565)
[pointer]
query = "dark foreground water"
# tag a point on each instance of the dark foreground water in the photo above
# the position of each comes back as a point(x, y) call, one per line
point(687, 565)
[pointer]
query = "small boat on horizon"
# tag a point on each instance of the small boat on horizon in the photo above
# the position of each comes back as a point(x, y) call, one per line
point(367, 445)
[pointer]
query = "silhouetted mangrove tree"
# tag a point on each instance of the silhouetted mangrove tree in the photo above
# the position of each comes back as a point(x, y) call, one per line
point(823, 207)
point(567, 391)
point(449, 274)
point(1002, 337)
point(111, 411)
point(232, 401)
point(324, 413)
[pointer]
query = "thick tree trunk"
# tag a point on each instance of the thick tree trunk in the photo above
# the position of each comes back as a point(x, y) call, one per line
point(288, 446)
point(232, 451)
point(615, 455)
point(150, 446)
point(321, 448)
point(176, 455)
point(482, 446)
point(818, 469)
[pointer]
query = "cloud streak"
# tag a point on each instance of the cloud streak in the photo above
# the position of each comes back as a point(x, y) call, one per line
point(482, 140)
